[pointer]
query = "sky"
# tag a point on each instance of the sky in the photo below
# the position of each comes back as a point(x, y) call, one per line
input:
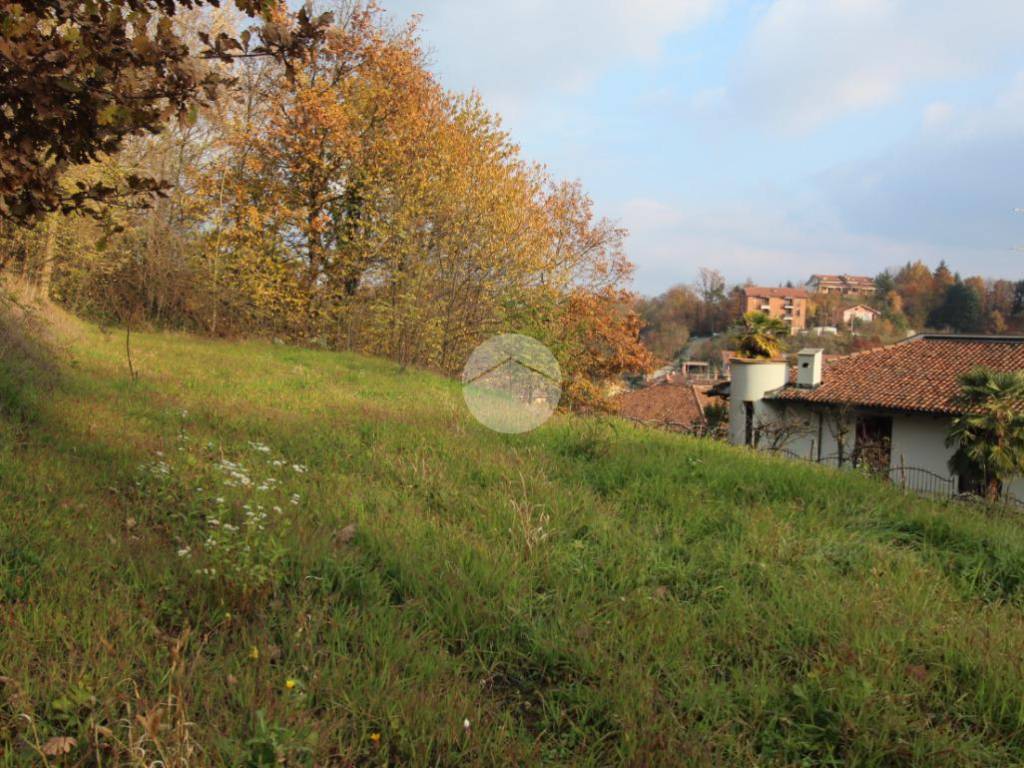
point(769, 139)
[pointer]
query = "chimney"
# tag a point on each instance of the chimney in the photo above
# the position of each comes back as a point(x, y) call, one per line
point(808, 370)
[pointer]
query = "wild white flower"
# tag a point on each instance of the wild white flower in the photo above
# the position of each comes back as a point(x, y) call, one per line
point(300, 468)
point(465, 724)
point(184, 552)
point(220, 499)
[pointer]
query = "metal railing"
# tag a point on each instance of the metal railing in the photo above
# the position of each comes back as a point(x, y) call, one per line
point(910, 479)
point(923, 481)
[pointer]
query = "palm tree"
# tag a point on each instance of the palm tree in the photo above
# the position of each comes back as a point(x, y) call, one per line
point(988, 433)
point(759, 335)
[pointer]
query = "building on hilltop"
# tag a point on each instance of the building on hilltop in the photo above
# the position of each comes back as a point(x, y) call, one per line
point(844, 285)
point(786, 304)
point(860, 314)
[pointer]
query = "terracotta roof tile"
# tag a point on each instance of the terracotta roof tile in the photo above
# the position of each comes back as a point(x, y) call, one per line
point(668, 404)
point(776, 293)
point(919, 374)
point(862, 280)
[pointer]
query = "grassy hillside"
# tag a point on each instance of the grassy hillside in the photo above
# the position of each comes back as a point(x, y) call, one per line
point(258, 555)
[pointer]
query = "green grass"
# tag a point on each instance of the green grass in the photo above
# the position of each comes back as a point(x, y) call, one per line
point(587, 594)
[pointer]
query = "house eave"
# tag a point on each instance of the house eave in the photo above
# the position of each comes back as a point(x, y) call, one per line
point(778, 396)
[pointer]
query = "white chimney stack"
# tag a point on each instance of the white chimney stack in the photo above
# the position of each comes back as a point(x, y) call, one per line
point(808, 370)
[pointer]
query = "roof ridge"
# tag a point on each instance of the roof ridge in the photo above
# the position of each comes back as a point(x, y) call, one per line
point(983, 338)
point(884, 347)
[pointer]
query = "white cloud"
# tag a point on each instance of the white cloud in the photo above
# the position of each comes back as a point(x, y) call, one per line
point(513, 50)
point(709, 101)
point(937, 114)
point(950, 186)
point(812, 61)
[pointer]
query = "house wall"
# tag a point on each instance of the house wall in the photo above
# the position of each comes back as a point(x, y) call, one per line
point(860, 315)
point(802, 429)
point(815, 432)
point(918, 440)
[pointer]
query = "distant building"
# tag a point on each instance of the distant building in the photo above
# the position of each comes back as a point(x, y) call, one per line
point(786, 304)
point(860, 313)
point(844, 285)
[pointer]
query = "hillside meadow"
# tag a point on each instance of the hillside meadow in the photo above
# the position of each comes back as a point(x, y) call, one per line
point(259, 555)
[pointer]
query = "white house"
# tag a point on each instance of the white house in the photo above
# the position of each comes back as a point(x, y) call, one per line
point(888, 408)
point(861, 313)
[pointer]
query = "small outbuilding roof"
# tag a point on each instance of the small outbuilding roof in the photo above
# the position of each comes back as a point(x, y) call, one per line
point(666, 403)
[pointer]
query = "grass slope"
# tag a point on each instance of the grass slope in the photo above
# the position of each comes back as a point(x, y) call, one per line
point(588, 594)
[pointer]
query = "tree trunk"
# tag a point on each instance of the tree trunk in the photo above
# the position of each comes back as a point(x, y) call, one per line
point(46, 268)
point(993, 488)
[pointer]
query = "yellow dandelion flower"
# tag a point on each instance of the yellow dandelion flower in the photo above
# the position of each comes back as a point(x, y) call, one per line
point(254, 653)
point(289, 683)
point(375, 737)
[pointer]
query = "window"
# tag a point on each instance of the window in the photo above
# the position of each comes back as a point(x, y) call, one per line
point(748, 438)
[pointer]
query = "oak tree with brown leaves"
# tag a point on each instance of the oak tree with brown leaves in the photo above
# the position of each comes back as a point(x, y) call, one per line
point(79, 76)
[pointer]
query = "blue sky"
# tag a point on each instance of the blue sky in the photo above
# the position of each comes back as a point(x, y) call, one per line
point(769, 138)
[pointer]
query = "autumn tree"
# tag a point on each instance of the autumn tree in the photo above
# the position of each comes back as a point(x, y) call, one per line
point(77, 79)
point(338, 197)
point(916, 285)
point(359, 204)
point(714, 312)
point(290, 190)
point(596, 335)
point(579, 305)
point(668, 319)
